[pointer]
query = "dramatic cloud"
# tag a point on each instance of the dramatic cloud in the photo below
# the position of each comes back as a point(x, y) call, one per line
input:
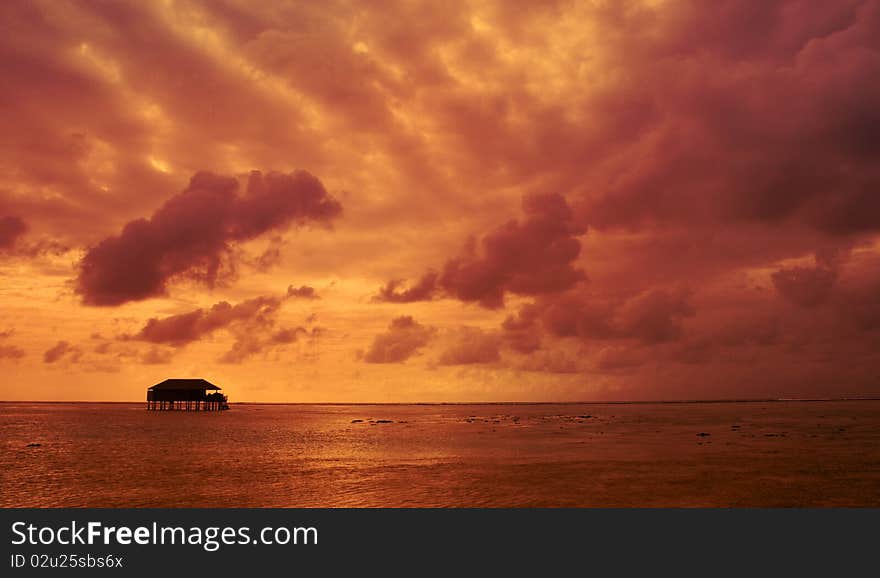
point(712, 166)
point(531, 257)
point(755, 129)
point(404, 338)
point(193, 230)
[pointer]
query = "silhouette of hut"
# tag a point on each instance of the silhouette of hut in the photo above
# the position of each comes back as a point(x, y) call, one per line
point(186, 395)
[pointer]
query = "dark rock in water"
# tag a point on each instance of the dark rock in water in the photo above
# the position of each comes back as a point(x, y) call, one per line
point(384, 421)
point(735, 426)
point(357, 421)
point(34, 445)
point(585, 416)
point(703, 434)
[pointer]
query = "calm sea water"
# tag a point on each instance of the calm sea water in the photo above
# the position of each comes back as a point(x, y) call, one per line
point(756, 454)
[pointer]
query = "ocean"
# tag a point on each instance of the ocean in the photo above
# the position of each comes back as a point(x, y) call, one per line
point(730, 454)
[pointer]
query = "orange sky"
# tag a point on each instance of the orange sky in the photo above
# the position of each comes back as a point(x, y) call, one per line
point(422, 201)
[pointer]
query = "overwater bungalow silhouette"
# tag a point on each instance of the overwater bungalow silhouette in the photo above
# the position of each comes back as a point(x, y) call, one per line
point(185, 395)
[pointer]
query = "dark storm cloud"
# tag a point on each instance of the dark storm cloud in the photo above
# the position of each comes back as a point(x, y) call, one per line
point(770, 120)
point(191, 232)
point(762, 150)
point(532, 256)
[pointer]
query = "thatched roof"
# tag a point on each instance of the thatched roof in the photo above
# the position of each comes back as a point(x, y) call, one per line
point(179, 384)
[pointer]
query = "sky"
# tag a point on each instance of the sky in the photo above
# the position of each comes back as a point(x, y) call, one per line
point(401, 201)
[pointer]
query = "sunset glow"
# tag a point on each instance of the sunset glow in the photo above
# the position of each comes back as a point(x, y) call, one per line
point(467, 201)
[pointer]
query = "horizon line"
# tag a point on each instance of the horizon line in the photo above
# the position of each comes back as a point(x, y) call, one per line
point(583, 402)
